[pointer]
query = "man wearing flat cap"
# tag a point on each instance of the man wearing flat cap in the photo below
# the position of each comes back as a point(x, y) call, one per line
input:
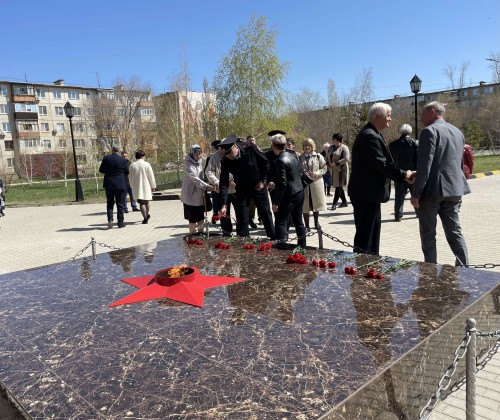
point(250, 169)
point(288, 197)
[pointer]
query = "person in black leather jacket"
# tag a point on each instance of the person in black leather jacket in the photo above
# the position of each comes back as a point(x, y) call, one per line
point(404, 151)
point(288, 193)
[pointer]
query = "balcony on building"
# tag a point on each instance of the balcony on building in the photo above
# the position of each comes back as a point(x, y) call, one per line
point(23, 93)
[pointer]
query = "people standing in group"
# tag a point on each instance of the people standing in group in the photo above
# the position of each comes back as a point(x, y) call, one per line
point(250, 169)
point(314, 194)
point(339, 157)
point(212, 173)
point(129, 192)
point(252, 208)
point(404, 151)
point(440, 183)
point(142, 180)
point(327, 177)
point(288, 197)
point(115, 169)
point(369, 183)
point(193, 190)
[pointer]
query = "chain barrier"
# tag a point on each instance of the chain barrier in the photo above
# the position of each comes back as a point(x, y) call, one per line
point(93, 244)
point(433, 400)
point(488, 265)
point(490, 334)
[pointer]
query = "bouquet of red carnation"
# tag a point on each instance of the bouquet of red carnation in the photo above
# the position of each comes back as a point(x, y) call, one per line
point(191, 241)
point(350, 270)
point(222, 245)
point(265, 247)
point(248, 246)
point(371, 274)
point(324, 264)
point(296, 258)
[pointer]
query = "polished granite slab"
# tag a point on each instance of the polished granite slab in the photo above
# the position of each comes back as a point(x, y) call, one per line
point(292, 341)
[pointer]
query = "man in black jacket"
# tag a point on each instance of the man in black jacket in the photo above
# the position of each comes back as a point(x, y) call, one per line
point(288, 197)
point(404, 151)
point(369, 184)
point(115, 169)
point(250, 169)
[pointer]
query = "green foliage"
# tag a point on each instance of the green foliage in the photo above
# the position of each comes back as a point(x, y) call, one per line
point(248, 82)
point(473, 134)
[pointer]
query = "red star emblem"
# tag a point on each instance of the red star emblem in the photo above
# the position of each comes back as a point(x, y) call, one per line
point(189, 288)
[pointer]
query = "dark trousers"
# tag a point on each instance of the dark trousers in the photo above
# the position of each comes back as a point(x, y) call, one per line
point(339, 193)
point(261, 201)
point(400, 190)
point(133, 204)
point(225, 222)
point(115, 196)
point(216, 203)
point(291, 206)
point(368, 219)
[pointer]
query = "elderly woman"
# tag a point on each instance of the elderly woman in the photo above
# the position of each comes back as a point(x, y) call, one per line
point(193, 190)
point(314, 194)
point(338, 159)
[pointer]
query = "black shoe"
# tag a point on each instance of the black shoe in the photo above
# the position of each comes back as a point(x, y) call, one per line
point(149, 217)
point(252, 224)
point(145, 222)
point(135, 209)
point(110, 224)
point(343, 205)
point(397, 219)
point(121, 225)
point(334, 207)
point(125, 211)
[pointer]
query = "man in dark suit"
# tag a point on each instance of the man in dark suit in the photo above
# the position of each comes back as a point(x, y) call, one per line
point(250, 169)
point(440, 183)
point(369, 184)
point(115, 169)
point(404, 152)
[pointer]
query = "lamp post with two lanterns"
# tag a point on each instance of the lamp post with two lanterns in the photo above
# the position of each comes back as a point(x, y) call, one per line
point(69, 110)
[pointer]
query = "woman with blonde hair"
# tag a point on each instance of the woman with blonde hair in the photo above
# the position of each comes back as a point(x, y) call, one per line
point(314, 194)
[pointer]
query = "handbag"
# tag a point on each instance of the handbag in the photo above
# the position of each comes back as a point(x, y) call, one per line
point(306, 179)
point(207, 201)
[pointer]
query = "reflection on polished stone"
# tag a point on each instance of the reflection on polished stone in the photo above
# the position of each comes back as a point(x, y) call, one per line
point(293, 341)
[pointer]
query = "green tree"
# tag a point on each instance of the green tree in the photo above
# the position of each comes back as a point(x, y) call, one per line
point(250, 98)
point(473, 134)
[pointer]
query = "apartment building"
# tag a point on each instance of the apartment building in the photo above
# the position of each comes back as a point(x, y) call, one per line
point(34, 128)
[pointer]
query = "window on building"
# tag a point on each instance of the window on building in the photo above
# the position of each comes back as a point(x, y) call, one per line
point(148, 111)
point(78, 111)
point(120, 112)
point(6, 127)
point(19, 107)
point(45, 127)
point(23, 90)
point(88, 95)
point(56, 93)
point(59, 110)
point(46, 144)
point(27, 125)
point(9, 145)
point(62, 143)
point(81, 158)
point(4, 109)
point(30, 143)
point(475, 91)
point(73, 94)
point(463, 93)
point(79, 143)
point(488, 89)
point(3, 90)
point(10, 162)
point(40, 92)
point(60, 127)
point(78, 127)
point(42, 109)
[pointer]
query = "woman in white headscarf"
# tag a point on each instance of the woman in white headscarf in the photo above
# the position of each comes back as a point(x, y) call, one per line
point(193, 190)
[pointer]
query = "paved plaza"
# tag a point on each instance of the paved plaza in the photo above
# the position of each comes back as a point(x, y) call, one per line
point(36, 236)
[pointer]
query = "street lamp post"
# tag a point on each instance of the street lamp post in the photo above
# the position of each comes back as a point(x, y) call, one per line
point(415, 85)
point(69, 110)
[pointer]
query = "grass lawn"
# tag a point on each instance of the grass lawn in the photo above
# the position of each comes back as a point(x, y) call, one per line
point(486, 163)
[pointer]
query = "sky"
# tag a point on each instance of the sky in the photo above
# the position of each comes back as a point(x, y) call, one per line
point(90, 43)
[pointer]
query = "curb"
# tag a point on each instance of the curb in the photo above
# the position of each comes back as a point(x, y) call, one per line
point(483, 174)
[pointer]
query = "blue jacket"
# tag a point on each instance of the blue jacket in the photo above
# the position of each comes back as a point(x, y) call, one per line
point(115, 169)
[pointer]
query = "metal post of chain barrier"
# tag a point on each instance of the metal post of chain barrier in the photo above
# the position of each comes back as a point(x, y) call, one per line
point(470, 371)
point(94, 254)
point(320, 237)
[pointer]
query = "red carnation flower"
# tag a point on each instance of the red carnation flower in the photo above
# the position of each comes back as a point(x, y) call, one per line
point(322, 263)
point(332, 264)
point(379, 276)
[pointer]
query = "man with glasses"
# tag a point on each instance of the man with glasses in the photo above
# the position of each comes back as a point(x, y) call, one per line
point(250, 169)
